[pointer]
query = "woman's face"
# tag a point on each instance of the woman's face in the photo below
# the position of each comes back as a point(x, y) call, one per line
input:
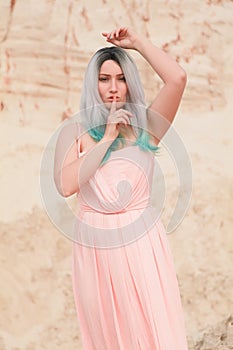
point(112, 85)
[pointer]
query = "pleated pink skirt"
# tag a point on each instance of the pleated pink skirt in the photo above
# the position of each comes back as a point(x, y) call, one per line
point(128, 298)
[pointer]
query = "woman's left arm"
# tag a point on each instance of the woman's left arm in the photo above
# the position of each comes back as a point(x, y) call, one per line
point(168, 99)
point(163, 109)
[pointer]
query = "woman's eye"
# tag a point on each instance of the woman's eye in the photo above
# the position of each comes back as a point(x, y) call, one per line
point(102, 79)
point(106, 79)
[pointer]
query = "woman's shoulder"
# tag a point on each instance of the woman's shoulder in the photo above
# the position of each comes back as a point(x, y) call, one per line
point(72, 128)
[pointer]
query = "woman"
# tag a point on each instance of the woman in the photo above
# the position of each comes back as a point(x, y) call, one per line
point(125, 287)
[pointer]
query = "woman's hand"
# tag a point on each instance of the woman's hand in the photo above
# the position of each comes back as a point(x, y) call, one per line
point(123, 37)
point(116, 119)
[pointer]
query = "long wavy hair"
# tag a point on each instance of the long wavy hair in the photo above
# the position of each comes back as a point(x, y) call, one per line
point(94, 113)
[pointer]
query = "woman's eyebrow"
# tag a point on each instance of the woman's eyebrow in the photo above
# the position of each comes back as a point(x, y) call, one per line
point(108, 75)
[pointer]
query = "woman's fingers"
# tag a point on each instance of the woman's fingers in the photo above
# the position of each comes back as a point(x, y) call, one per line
point(111, 35)
point(121, 112)
point(115, 119)
point(113, 106)
point(120, 117)
point(116, 33)
point(126, 112)
point(122, 31)
point(125, 120)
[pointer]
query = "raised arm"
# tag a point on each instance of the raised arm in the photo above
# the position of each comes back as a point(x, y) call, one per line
point(163, 109)
point(168, 99)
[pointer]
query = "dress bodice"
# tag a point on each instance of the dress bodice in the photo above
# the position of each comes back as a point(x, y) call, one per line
point(123, 183)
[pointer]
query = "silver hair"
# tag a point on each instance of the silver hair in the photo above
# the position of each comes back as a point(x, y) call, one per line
point(93, 111)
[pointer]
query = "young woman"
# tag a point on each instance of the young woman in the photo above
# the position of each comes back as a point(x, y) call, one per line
point(125, 286)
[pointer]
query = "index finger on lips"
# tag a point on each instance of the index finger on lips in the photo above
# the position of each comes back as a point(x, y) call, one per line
point(113, 105)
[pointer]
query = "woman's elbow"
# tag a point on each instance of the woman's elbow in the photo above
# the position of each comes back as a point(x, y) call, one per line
point(63, 189)
point(64, 193)
point(181, 78)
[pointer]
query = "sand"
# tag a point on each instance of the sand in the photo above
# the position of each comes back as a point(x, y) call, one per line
point(44, 51)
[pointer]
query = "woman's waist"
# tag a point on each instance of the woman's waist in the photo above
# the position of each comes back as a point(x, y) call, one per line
point(100, 229)
point(122, 217)
point(139, 207)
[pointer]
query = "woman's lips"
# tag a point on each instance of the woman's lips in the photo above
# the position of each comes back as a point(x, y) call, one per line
point(111, 98)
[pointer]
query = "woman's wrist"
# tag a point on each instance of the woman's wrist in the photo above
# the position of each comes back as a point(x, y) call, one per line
point(140, 43)
point(106, 140)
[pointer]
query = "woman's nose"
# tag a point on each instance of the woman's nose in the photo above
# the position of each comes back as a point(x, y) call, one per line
point(113, 87)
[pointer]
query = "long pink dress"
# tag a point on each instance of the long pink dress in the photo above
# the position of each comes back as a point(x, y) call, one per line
point(124, 281)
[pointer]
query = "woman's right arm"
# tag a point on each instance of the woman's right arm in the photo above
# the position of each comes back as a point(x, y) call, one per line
point(70, 171)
